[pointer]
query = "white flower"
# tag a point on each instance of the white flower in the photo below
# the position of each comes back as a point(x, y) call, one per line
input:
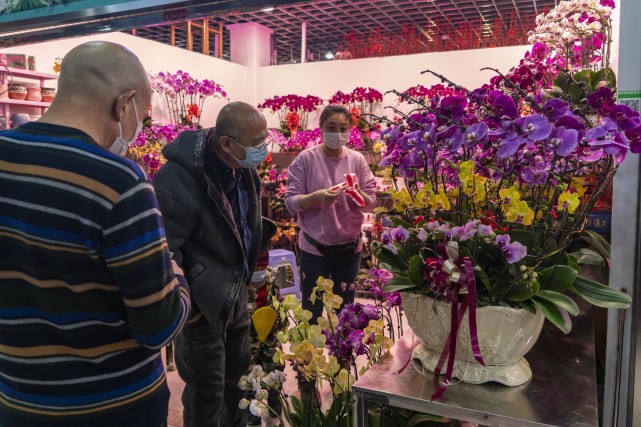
point(242, 384)
point(243, 404)
point(258, 409)
point(262, 395)
point(422, 235)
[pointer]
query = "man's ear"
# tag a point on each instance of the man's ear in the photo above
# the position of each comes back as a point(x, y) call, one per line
point(225, 143)
point(121, 104)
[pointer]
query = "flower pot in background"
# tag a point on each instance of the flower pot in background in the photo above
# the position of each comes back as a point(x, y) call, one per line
point(48, 93)
point(34, 94)
point(4, 91)
point(505, 335)
point(18, 91)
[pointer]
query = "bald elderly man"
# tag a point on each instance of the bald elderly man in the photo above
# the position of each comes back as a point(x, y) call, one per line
point(88, 293)
point(209, 197)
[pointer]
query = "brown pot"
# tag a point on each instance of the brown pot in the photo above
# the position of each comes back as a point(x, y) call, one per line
point(18, 91)
point(33, 94)
point(48, 93)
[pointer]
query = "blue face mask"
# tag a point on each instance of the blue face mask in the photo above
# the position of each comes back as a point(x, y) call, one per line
point(254, 156)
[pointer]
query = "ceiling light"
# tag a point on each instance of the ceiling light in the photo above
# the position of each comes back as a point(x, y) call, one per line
point(267, 9)
point(329, 55)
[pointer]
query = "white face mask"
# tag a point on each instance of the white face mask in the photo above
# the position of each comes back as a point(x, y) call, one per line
point(335, 140)
point(120, 145)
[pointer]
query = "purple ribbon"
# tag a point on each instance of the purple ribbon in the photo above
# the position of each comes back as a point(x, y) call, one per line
point(469, 301)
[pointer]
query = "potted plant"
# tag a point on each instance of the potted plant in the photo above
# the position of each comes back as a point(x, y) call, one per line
point(496, 194)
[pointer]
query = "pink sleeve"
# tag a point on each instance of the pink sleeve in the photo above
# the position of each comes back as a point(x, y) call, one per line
point(296, 186)
point(368, 184)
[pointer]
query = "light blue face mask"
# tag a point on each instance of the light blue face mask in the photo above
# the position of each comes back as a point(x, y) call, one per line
point(254, 156)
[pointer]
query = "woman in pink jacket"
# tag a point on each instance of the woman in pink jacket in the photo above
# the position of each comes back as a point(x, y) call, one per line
point(330, 220)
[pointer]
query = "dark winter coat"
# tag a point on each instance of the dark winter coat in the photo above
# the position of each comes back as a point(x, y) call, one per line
point(200, 227)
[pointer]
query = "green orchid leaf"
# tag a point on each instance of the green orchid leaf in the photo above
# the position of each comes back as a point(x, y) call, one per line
point(560, 300)
point(525, 238)
point(588, 256)
point(523, 291)
point(575, 266)
point(482, 277)
point(398, 284)
point(374, 418)
point(556, 259)
point(385, 266)
point(297, 405)
point(561, 82)
point(423, 418)
point(500, 287)
point(597, 242)
point(600, 295)
point(415, 270)
point(586, 77)
point(400, 222)
point(557, 316)
point(576, 93)
point(558, 278)
point(386, 256)
point(611, 78)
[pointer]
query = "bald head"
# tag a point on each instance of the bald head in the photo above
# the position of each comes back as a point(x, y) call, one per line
point(236, 117)
point(238, 126)
point(101, 71)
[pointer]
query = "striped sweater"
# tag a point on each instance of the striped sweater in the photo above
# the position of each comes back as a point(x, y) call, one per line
point(87, 292)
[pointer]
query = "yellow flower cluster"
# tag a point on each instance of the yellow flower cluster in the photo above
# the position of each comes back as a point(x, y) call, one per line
point(515, 209)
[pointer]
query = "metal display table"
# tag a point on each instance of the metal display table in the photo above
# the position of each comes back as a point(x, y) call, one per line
point(562, 391)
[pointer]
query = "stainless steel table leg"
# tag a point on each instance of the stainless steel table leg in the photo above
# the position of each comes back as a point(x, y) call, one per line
point(360, 409)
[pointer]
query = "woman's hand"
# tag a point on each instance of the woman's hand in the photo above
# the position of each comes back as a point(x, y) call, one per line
point(320, 197)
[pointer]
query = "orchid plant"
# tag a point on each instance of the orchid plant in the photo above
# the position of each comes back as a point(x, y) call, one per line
point(323, 352)
point(292, 111)
point(499, 183)
point(184, 95)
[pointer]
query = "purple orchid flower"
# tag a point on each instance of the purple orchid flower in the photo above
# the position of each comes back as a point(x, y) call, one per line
point(564, 141)
point(502, 240)
point(554, 109)
point(534, 176)
point(478, 96)
point(570, 121)
point(476, 134)
point(509, 145)
point(514, 252)
point(601, 100)
point(626, 117)
point(453, 107)
point(452, 138)
point(634, 136)
point(504, 105)
point(413, 140)
point(400, 234)
point(535, 127)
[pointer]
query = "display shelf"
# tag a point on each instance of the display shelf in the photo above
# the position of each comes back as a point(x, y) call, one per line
point(19, 72)
point(6, 104)
point(25, 103)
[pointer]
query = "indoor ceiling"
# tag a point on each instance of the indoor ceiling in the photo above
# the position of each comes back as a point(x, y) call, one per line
point(329, 21)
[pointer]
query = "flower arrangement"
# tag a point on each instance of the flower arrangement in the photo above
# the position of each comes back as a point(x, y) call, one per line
point(361, 98)
point(298, 141)
point(503, 179)
point(184, 95)
point(57, 63)
point(292, 111)
point(425, 94)
point(325, 352)
point(146, 150)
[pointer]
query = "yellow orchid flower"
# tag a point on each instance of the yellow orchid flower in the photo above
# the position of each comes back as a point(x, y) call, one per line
point(578, 187)
point(521, 213)
point(569, 201)
point(343, 382)
point(422, 198)
point(510, 196)
point(441, 201)
point(401, 199)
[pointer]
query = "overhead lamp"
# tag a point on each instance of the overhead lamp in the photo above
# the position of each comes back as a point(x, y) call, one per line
point(267, 9)
point(329, 55)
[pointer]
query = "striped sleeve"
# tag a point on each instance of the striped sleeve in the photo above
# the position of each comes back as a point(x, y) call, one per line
point(136, 253)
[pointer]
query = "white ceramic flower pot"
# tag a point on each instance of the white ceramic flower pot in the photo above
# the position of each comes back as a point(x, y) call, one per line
point(505, 335)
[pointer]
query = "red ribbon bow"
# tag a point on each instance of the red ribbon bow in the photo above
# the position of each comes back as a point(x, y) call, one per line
point(465, 276)
point(349, 185)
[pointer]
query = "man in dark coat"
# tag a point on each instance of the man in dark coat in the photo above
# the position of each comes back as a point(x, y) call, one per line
point(209, 195)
